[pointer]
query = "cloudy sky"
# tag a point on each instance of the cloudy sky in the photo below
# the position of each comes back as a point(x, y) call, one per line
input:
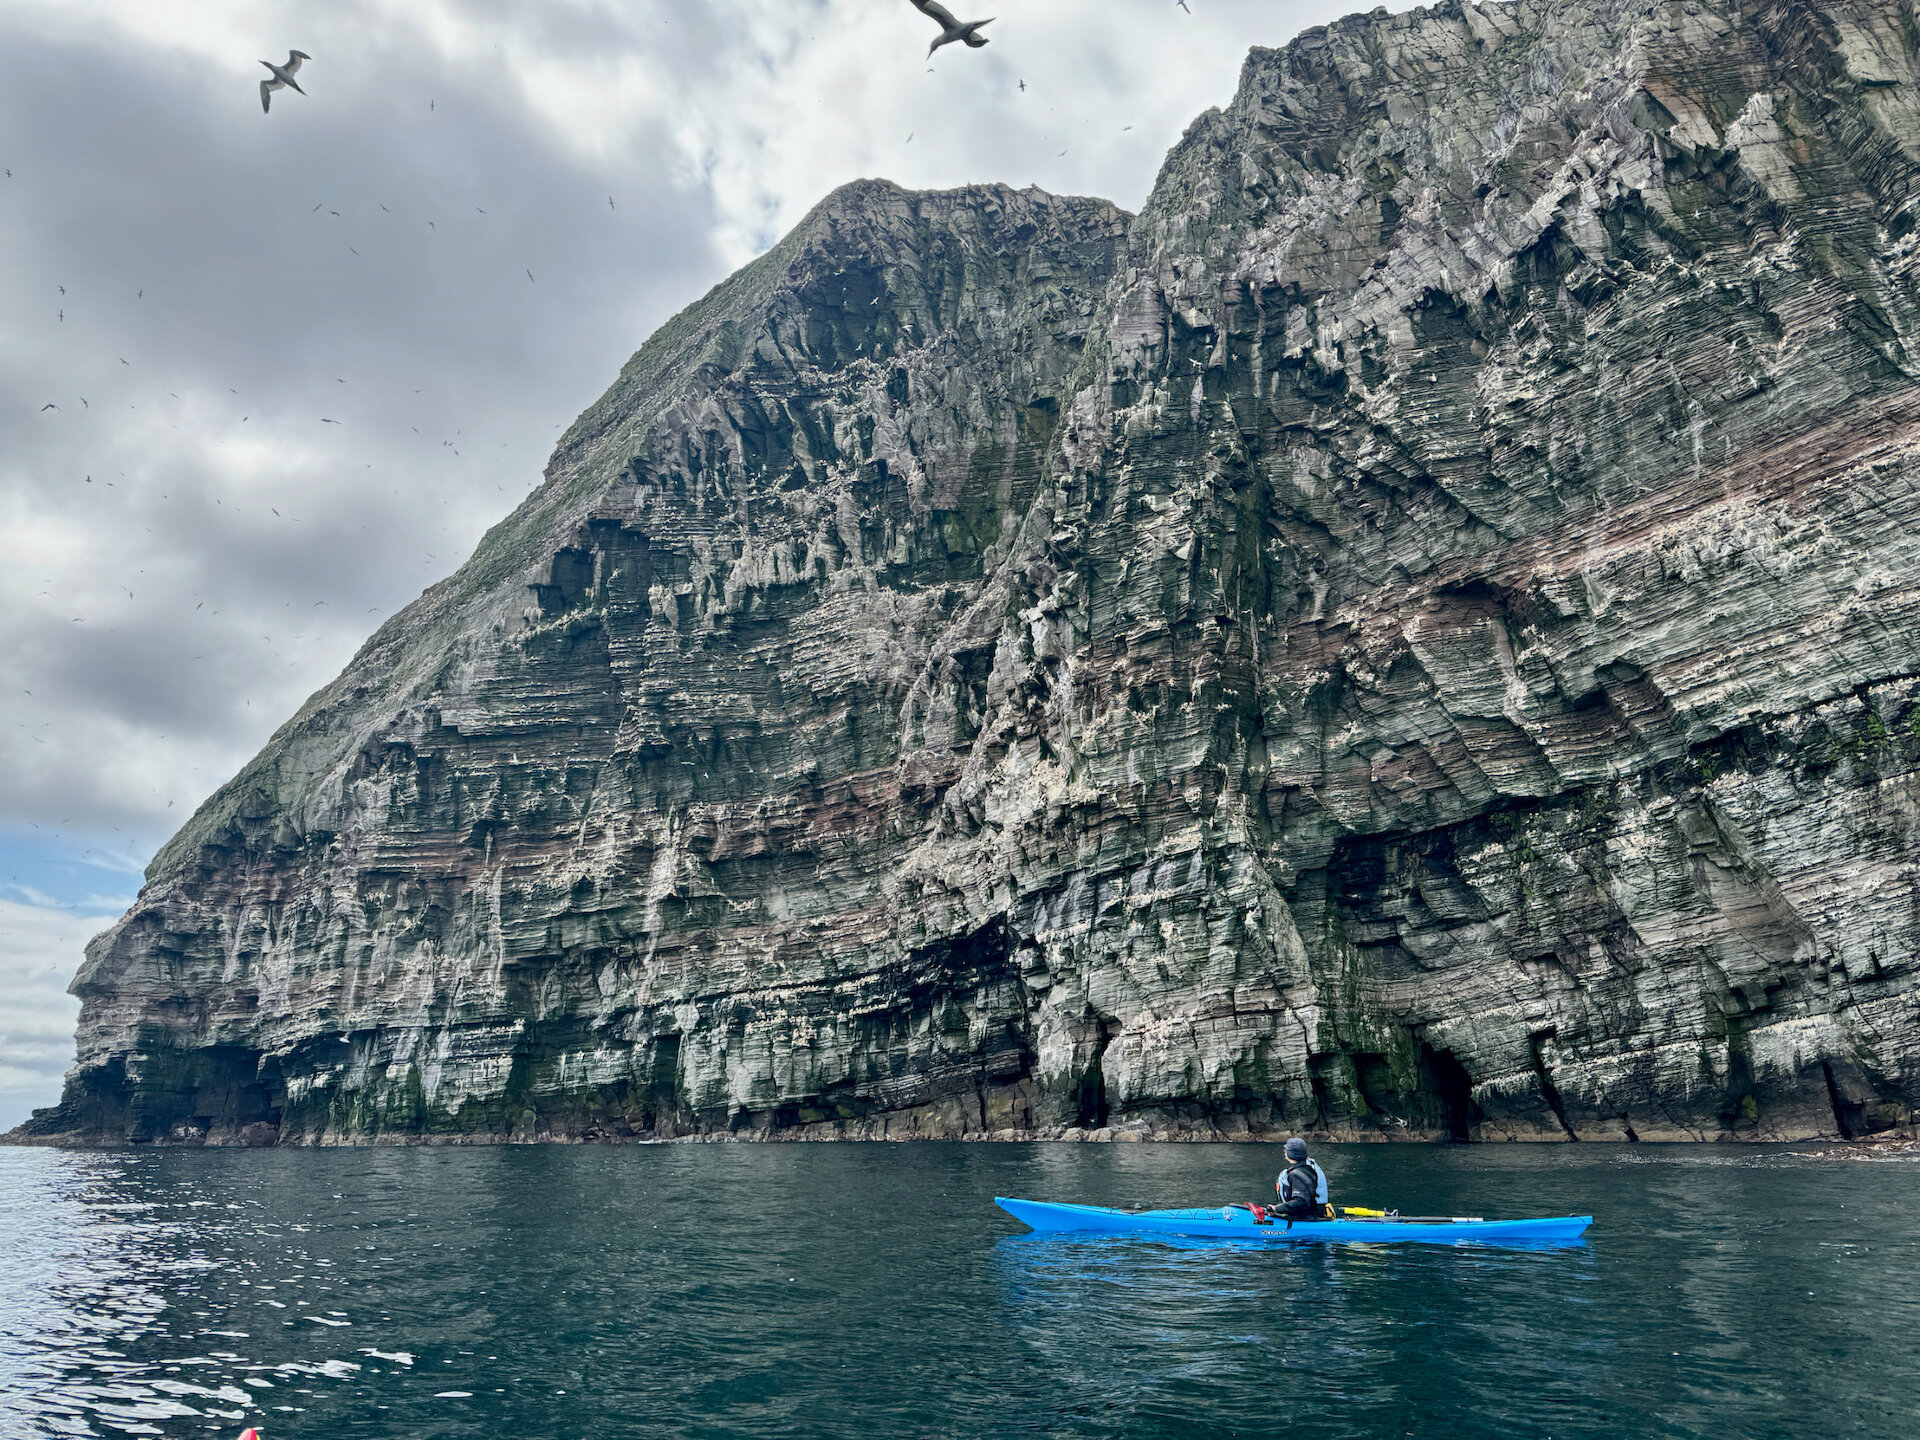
point(263, 378)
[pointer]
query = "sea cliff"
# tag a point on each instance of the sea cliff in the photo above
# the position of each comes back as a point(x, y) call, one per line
point(1414, 634)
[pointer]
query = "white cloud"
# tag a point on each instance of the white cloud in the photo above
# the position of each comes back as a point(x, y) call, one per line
point(828, 94)
point(40, 948)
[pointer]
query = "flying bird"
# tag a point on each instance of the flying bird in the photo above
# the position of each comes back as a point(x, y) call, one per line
point(282, 78)
point(966, 32)
point(48, 406)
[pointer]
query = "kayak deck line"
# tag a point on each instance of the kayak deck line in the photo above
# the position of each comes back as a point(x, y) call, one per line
point(1238, 1222)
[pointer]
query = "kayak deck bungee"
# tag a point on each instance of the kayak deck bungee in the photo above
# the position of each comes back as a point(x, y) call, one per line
point(1240, 1222)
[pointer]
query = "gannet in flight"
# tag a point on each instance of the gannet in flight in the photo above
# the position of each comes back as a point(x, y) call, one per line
point(950, 28)
point(282, 77)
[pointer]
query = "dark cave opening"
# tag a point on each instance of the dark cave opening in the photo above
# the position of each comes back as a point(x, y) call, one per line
point(1090, 1095)
point(1453, 1087)
point(1848, 1115)
point(1434, 1098)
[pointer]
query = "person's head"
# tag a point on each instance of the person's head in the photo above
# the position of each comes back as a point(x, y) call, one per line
point(1296, 1149)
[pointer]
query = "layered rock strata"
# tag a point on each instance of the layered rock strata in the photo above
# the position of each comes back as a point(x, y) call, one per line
point(1414, 634)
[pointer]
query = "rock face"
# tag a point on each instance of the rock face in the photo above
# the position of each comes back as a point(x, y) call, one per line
point(1414, 634)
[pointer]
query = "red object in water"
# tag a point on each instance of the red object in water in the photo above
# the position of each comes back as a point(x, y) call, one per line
point(249, 1434)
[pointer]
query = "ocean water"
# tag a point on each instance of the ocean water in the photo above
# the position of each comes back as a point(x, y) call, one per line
point(875, 1291)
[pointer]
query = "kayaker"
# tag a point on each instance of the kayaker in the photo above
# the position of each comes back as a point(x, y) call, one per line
point(1302, 1186)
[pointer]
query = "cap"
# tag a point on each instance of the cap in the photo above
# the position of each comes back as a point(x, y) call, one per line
point(1296, 1149)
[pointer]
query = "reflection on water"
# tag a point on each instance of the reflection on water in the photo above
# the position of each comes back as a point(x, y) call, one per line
point(1223, 1329)
point(831, 1290)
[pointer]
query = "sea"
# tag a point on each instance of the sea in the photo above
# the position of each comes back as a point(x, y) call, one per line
point(874, 1290)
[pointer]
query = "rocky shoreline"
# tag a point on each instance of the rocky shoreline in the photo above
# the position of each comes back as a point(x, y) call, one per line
point(1889, 1145)
point(910, 1128)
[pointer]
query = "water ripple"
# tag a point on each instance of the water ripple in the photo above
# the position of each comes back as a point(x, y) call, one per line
point(836, 1290)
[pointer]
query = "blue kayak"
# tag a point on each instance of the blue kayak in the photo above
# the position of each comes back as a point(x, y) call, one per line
point(1240, 1222)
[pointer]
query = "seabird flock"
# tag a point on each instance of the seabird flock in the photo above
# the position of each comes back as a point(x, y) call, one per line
point(953, 30)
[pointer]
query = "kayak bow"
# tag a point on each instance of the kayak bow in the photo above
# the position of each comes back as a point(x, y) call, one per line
point(1237, 1222)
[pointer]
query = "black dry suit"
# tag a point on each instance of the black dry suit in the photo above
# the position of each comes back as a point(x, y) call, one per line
point(1300, 1191)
